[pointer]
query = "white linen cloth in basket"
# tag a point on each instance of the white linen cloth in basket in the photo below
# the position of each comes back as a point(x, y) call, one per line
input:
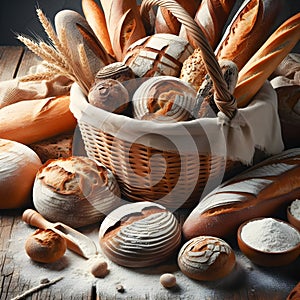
point(255, 126)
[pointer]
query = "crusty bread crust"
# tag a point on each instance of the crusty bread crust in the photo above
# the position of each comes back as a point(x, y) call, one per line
point(259, 191)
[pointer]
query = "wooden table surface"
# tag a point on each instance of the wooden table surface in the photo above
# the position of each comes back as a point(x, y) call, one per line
point(19, 273)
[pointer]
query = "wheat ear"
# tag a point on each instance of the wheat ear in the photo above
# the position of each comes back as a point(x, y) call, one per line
point(49, 29)
point(33, 46)
point(86, 69)
point(57, 57)
point(37, 77)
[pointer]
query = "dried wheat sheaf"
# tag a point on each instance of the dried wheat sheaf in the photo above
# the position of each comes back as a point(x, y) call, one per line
point(57, 58)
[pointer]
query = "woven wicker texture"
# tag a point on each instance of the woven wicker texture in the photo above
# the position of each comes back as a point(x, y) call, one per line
point(149, 174)
point(141, 155)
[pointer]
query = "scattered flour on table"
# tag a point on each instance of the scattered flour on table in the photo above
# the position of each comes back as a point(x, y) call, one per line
point(137, 283)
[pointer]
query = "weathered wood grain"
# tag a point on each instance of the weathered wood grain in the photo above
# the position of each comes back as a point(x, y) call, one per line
point(10, 58)
point(29, 60)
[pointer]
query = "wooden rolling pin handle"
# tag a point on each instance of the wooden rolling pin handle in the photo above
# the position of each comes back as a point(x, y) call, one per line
point(33, 218)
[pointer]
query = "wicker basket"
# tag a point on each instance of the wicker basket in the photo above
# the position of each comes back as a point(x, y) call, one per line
point(150, 162)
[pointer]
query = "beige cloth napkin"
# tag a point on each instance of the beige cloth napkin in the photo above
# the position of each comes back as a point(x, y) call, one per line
point(288, 72)
point(14, 90)
point(256, 126)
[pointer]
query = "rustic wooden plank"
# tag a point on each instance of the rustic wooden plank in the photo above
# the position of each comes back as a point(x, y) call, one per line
point(28, 61)
point(10, 57)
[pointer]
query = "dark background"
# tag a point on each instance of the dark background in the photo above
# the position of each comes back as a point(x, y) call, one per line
point(19, 16)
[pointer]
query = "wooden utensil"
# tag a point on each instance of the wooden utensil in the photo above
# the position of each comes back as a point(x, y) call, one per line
point(76, 241)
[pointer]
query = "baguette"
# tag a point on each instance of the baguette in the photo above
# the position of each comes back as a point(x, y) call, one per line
point(96, 19)
point(249, 29)
point(264, 62)
point(31, 121)
point(259, 191)
point(211, 17)
point(124, 24)
point(165, 22)
point(85, 51)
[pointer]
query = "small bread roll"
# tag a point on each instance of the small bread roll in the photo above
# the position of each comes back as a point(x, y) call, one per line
point(206, 258)
point(45, 246)
point(110, 95)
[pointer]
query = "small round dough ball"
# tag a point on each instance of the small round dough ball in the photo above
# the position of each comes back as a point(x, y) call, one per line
point(45, 246)
point(168, 280)
point(99, 268)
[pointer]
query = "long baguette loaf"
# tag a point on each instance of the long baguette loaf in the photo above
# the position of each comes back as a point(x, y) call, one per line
point(165, 22)
point(266, 59)
point(124, 24)
point(248, 31)
point(96, 19)
point(259, 191)
point(31, 121)
point(211, 17)
point(74, 31)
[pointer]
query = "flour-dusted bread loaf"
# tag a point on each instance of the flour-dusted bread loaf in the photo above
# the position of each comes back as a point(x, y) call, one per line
point(140, 234)
point(260, 191)
point(18, 167)
point(206, 258)
point(75, 190)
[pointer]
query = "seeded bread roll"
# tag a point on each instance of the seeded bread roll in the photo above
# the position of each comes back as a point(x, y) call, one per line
point(45, 246)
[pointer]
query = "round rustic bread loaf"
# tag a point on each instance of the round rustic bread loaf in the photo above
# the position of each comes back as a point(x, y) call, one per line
point(45, 246)
point(75, 190)
point(159, 54)
point(206, 258)
point(18, 167)
point(139, 234)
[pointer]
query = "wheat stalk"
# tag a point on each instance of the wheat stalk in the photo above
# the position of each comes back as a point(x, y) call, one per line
point(49, 30)
point(37, 77)
point(65, 51)
point(58, 58)
point(33, 46)
point(85, 66)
